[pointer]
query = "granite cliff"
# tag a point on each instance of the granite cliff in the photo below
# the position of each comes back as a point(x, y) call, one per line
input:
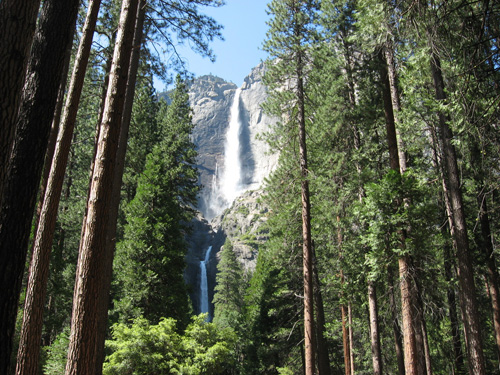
point(212, 100)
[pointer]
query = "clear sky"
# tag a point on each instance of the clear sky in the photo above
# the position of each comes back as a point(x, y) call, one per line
point(244, 31)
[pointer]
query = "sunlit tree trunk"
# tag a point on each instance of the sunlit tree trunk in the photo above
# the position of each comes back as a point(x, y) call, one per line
point(31, 333)
point(117, 183)
point(83, 351)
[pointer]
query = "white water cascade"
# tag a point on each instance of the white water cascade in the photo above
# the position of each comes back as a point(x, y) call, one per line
point(229, 185)
point(204, 303)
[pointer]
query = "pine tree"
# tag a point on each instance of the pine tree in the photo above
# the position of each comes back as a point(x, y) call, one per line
point(150, 259)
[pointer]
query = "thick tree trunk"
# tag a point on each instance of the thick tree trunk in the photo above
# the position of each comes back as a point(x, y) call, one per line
point(82, 353)
point(467, 289)
point(374, 331)
point(17, 27)
point(31, 332)
point(117, 183)
point(54, 32)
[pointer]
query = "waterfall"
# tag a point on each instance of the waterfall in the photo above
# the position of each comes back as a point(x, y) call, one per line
point(204, 303)
point(231, 179)
point(229, 186)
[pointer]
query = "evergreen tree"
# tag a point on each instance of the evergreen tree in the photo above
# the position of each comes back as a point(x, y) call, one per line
point(150, 259)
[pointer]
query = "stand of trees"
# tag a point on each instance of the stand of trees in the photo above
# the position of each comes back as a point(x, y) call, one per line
point(383, 212)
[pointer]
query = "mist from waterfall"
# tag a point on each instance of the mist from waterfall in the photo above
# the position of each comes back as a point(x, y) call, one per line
point(228, 186)
point(204, 302)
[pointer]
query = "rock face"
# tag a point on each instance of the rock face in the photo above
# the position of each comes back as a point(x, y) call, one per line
point(211, 99)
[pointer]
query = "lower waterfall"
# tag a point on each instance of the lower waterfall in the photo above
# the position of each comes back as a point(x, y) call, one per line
point(204, 302)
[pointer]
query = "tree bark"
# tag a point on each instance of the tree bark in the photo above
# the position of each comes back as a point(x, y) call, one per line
point(321, 343)
point(117, 183)
point(82, 353)
point(53, 34)
point(345, 333)
point(374, 331)
point(411, 354)
point(395, 325)
point(17, 27)
point(29, 348)
point(467, 288)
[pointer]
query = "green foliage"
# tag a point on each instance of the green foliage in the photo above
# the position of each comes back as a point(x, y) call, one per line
point(150, 259)
point(55, 363)
point(142, 348)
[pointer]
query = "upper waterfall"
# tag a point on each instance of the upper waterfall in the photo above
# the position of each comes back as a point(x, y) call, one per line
point(232, 158)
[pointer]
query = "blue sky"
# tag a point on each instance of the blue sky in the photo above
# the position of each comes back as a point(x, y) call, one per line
point(244, 31)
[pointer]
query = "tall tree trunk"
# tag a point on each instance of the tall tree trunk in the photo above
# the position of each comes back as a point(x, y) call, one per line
point(306, 227)
point(17, 27)
point(53, 132)
point(351, 336)
point(374, 331)
point(29, 348)
point(53, 34)
point(83, 351)
point(117, 183)
point(345, 333)
point(467, 288)
point(404, 262)
point(486, 243)
point(448, 264)
point(321, 343)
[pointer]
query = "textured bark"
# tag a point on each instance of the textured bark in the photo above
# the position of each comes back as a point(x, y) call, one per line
point(31, 332)
point(17, 27)
point(36, 111)
point(82, 353)
point(374, 331)
point(117, 183)
point(467, 288)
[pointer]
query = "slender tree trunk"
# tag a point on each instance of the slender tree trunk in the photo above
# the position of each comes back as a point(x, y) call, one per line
point(17, 27)
point(31, 332)
point(54, 32)
point(83, 351)
point(374, 331)
point(306, 229)
point(345, 333)
point(458, 363)
point(321, 343)
point(351, 336)
point(398, 345)
point(486, 244)
point(467, 289)
point(117, 183)
point(405, 272)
